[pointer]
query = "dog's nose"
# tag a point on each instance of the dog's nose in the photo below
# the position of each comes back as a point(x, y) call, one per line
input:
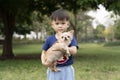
point(65, 38)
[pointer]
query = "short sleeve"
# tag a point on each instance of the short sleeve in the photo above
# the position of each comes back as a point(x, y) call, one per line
point(74, 42)
point(46, 45)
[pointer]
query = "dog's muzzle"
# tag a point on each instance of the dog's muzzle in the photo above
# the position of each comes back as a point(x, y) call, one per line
point(66, 38)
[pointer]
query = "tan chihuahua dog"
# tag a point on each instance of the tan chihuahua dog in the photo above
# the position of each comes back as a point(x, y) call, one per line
point(50, 57)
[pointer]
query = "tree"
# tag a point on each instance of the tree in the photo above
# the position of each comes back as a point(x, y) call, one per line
point(23, 28)
point(19, 11)
point(76, 5)
point(1, 28)
point(109, 33)
point(112, 5)
point(117, 30)
point(98, 32)
point(84, 27)
point(10, 11)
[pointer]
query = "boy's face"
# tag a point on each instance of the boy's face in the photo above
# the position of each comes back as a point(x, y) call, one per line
point(60, 25)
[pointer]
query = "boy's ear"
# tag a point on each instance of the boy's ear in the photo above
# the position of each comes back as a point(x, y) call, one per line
point(68, 23)
point(51, 23)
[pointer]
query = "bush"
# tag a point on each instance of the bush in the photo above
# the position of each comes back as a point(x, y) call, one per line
point(115, 43)
point(25, 41)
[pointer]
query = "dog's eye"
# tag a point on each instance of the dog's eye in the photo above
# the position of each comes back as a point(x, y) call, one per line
point(62, 37)
point(68, 36)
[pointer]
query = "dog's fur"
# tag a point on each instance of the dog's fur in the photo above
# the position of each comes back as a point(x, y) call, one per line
point(49, 58)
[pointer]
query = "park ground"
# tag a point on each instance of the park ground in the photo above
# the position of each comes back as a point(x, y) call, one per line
point(92, 62)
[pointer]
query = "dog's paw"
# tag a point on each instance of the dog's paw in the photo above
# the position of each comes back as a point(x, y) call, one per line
point(68, 54)
point(64, 48)
point(56, 70)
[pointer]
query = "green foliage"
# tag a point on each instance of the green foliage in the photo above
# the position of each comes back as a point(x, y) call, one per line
point(18, 12)
point(15, 7)
point(26, 42)
point(23, 29)
point(98, 32)
point(21, 12)
point(22, 9)
point(117, 30)
point(115, 43)
point(113, 5)
point(1, 27)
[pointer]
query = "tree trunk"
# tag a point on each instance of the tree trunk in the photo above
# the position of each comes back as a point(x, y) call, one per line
point(75, 15)
point(74, 26)
point(8, 21)
point(113, 33)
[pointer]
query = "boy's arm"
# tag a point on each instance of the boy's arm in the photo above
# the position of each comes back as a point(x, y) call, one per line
point(43, 56)
point(73, 50)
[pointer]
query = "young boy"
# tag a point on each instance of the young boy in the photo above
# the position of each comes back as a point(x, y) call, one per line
point(60, 22)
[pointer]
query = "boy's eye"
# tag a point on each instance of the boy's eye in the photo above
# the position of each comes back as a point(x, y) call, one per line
point(56, 23)
point(63, 23)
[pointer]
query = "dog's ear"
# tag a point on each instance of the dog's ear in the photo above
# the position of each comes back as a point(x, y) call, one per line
point(71, 31)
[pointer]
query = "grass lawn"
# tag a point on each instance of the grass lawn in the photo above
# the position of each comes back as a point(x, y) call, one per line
point(92, 62)
point(96, 62)
point(25, 49)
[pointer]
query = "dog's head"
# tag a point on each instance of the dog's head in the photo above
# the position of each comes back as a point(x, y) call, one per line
point(67, 37)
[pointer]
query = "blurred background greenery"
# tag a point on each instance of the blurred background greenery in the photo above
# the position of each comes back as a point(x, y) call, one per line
point(20, 18)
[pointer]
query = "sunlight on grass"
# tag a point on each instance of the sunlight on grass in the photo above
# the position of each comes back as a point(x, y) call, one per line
point(31, 49)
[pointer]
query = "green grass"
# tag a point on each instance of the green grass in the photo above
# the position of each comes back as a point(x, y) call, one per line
point(95, 62)
point(22, 70)
point(92, 62)
point(25, 49)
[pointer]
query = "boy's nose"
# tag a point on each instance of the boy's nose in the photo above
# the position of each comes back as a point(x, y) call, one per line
point(60, 24)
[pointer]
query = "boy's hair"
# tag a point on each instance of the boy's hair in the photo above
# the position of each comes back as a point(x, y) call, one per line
point(60, 14)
